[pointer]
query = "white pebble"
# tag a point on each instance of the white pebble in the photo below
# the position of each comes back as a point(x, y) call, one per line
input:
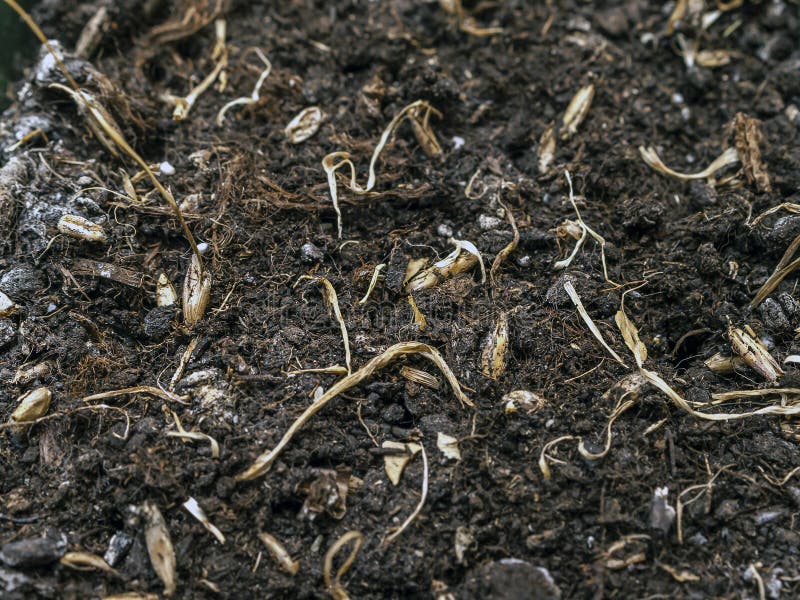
point(202, 247)
point(458, 142)
point(444, 231)
point(166, 169)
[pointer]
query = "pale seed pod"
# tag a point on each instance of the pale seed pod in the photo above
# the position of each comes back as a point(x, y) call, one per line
point(81, 228)
point(196, 292)
point(165, 292)
point(525, 400)
point(304, 125)
point(577, 110)
point(753, 352)
point(280, 553)
point(159, 547)
point(495, 349)
point(32, 405)
point(547, 149)
point(7, 306)
point(420, 377)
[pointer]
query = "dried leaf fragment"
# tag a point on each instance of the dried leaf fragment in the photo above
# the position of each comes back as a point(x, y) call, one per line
point(198, 513)
point(304, 125)
point(196, 292)
point(81, 228)
point(495, 349)
point(159, 547)
point(754, 353)
point(279, 553)
point(448, 445)
point(32, 405)
point(395, 463)
point(576, 111)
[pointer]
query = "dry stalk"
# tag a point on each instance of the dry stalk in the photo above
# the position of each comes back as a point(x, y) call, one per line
point(329, 293)
point(333, 584)
point(195, 436)
point(784, 267)
point(140, 389)
point(255, 95)
point(585, 232)
point(336, 160)
point(280, 553)
point(423, 496)
point(194, 509)
point(576, 300)
point(512, 245)
point(262, 464)
point(184, 104)
point(375, 275)
point(651, 158)
point(544, 458)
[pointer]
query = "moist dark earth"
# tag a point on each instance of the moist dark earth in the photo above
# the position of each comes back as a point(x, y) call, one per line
point(491, 525)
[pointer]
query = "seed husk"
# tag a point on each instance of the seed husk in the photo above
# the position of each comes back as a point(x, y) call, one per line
point(547, 149)
point(196, 292)
point(280, 553)
point(495, 349)
point(85, 561)
point(159, 547)
point(651, 158)
point(32, 405)
point(576, 111)
point(420, 377)
point(165, 292)
point(194, 509)
point(754, 353)
point(81, 228)
point(395, 464)
point(525, 400)
point(464, 257)
point(304, 125)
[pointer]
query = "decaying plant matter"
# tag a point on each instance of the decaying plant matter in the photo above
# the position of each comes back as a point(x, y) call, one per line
point(418, 113)
point(265, 460)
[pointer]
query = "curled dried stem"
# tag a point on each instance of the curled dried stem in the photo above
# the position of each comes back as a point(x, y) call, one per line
point(333, 583)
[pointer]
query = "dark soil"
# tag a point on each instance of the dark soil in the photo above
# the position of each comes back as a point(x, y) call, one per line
point(260, 199)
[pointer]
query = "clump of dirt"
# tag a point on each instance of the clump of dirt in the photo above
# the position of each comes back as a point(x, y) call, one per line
point(679, 506)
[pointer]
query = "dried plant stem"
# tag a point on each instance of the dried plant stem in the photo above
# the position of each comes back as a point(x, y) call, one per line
point(576, 300)
point(784, 267)
point(512, 245)
point(420, 504)
point(262, 464)
point(336, 160)
point(332, 299)
point(139, 389)
point(335, 588)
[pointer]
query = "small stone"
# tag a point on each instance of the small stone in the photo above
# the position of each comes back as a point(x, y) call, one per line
point(662, 514)
point(444, 231)
point(613, 21)
point(7, 333)
point(310, 254)
point(118, 547)
point(524, 260)
point(32, 552)
point(487, 222)
point(458, 142)
point(158, 322)
point(22, 280)
point(768, 516)
point(698, 539)
point(166, 169)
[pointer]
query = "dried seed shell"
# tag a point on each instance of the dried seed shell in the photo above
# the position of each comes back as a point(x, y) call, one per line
point(280, 554)
point(576, 111)
point(32, 405)
point(547, 149)
point(420, 377)
point(754, 354)
point(304, 125)
point(495, 349)
point(448, 445)
point(29, 374)
point(85, 561)
point(522, 399)
point(165, 292)
point(80, 228)
point(196, 292)
point(159, 547)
